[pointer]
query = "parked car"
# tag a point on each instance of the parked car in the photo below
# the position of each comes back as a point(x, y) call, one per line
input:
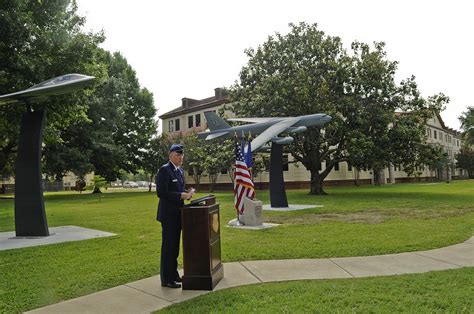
point(130, 184)
point(145, 184)
point(142, 184)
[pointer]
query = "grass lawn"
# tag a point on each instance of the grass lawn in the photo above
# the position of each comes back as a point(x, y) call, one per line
point(353, 221)
point(448, 291)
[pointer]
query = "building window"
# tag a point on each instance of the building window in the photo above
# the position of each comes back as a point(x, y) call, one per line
point(171, 126)
point(176, 122)
point(336, 166)
point(435, 134)
point(198, 120)
point(349, 167)
point(190, 122)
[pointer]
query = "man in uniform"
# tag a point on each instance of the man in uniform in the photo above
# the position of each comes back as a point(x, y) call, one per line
point(170, 188)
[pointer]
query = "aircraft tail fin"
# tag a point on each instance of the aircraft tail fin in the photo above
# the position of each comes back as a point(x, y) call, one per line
point(214, 122)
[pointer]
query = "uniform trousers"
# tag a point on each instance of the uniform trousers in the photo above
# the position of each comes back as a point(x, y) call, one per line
point(171, 234)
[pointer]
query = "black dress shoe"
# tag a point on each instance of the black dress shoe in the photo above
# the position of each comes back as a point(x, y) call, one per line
point(173, 285)
point(178, 279)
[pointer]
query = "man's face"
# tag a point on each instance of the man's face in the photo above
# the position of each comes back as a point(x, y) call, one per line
point(176, 158)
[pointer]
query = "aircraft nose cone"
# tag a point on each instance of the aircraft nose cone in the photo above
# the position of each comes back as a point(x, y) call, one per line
point(327, 118)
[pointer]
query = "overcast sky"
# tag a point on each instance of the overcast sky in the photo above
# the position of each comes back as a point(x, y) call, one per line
point(187, 48)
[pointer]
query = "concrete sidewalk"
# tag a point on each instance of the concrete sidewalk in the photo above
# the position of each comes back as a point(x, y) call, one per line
point(147, 295)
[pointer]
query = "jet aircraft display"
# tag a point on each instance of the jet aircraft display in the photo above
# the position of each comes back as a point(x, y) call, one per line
point(262, 129)
point(56, 86)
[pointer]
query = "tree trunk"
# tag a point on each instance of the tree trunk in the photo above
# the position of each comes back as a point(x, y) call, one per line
point(96, 190)
point(212, 181)
point(149, 184)
point(377, 176)
point(196, 177)
point(356, 176)
point(316, 187)
point(231, 174)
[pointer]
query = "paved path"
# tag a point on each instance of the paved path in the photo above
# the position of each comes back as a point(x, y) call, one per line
point(147, 295)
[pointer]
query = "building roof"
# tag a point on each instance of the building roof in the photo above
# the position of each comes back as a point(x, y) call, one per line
point(447, 129)
point(189, 105)
point(441, 122)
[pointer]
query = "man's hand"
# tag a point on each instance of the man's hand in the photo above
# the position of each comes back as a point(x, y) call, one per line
point(188, 194)
point(185, 196)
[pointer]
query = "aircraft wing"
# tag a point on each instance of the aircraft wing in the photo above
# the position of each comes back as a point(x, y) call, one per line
point(56, 86)
point(273, 131)
point(251, 120)
point(215, 135)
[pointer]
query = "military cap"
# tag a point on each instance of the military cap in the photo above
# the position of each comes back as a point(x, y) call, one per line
point(178, 148)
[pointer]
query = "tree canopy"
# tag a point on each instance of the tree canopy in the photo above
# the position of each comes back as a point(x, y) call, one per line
point(465, 158)
point(40, 40)
point(307, 71)
point(117, 133)
point(467, 124)
point(106, 128)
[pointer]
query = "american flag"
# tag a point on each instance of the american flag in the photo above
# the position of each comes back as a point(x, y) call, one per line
point(243, 185)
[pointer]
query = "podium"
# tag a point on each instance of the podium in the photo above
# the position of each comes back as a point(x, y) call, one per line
point(201, 244)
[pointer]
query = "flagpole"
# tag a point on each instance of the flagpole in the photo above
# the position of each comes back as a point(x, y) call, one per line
point(237, 221)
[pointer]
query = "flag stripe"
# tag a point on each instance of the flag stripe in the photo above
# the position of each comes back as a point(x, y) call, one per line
point(243, 185)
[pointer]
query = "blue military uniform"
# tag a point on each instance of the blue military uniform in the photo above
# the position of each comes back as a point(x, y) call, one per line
point(169, 186)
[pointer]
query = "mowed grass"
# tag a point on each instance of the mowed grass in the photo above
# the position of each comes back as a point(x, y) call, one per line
point(435, 292)
point(353, 221)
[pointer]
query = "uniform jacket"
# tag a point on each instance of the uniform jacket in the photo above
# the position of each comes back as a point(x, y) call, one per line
point(169, 186)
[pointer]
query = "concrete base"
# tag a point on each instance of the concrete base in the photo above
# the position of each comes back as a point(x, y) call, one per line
point(61, 234)
point(234, 224)
point(290, 207)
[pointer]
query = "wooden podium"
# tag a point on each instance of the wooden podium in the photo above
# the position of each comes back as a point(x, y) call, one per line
point(201, 244)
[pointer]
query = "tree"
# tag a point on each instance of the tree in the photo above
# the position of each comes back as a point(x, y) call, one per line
point(120, 123)
point(99, 182)
point(40, 40)
point(219, 156)
point(306, 72)
point(194, 156)
point(465, 160)
point(72, 153)
point(425, 155)
point(467, 124)
point(136, 109)
point(155, 156)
